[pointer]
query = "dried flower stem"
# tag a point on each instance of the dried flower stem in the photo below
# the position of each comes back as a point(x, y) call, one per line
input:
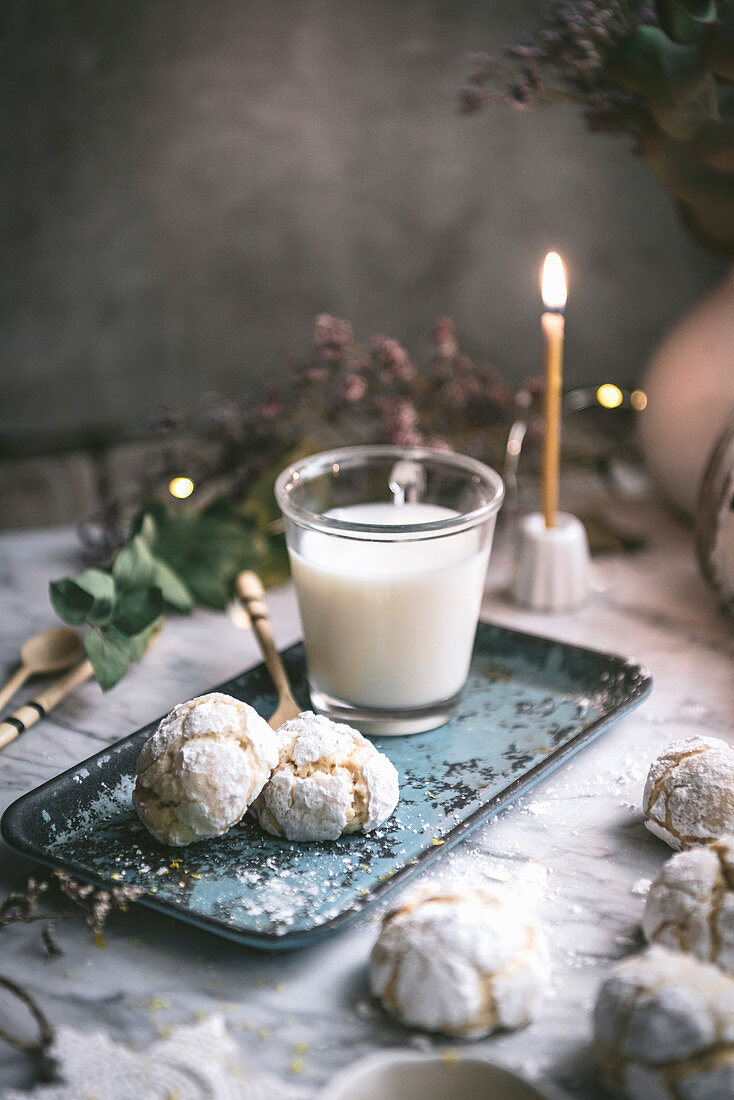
point(22, 907)
point(45, 1030)
point(97, 904)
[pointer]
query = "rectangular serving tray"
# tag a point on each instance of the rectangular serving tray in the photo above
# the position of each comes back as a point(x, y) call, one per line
point(530, 704)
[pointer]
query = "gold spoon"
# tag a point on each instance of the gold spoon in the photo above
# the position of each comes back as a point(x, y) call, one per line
point(50, 651)
point(251, 593)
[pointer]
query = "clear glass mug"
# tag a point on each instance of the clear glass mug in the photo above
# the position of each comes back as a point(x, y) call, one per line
point(389, 549)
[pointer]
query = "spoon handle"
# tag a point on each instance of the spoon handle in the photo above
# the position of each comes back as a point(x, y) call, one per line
point(15, 682)
point(252, 595)
point(27, 716)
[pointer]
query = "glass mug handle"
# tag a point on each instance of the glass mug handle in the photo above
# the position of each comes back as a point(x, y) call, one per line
point(407, 482)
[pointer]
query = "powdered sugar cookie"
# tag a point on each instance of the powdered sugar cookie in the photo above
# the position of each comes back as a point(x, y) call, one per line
point(689, 793)
point(459, 959)
point(690, 906)
point(664, 1027)
point(330, 780)
point(202, 768)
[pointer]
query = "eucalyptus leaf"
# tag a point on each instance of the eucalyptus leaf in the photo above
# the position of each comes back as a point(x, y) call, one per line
point(205, 550)
point(209, 590)
point(172, 588)
point(147, 529)
point(70, 602)
point(87, 597)
point(714, 145)
point(133, 565)
point(677, 22)
point(657, 69)
point(176, 557)
point(703, 192)
point(272, 565)
point(687, 177)
point(136, 609)
point(110, 653)
point(137, 565)
point(702, 10)
point(718, 51)
point(677, 122)
point(139, 642)
point(711, 222)
point(97, 583)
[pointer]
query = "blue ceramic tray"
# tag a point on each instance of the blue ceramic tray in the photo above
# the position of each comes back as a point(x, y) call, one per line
point(530, 704)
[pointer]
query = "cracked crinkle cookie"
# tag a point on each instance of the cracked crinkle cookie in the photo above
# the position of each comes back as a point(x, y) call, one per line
point(460, 959)
point(664, 1027)
point(690, 906)
point(689, 793)
point(202, 768)
point(330, 780)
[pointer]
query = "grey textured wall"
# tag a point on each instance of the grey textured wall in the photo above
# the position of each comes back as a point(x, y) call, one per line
point(186, 182)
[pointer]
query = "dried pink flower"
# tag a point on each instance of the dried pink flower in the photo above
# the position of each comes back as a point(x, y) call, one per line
point(500, 393)
point(534, 385)
point(438, 443)
point(406, 438)
point(404, 414)
point(270, 409)
point(332, 337)
point(352, 388)
point(455, 393)
point(315, 374)
point(444, 337)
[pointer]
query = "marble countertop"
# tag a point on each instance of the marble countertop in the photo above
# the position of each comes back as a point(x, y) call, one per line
point(578, 840)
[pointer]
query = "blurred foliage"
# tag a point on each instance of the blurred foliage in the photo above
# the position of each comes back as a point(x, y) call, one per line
point(662, 72)
point(176, 558)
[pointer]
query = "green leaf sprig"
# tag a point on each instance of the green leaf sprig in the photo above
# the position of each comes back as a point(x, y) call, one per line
point(177, 558)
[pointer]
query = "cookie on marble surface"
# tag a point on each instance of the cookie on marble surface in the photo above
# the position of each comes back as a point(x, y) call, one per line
point(664, 1027)
point(690, 906)
point(689, 793)
point(460, 959)
point(202, 768)
point(330, 780)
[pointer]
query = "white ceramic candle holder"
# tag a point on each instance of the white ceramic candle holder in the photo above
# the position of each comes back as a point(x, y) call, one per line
point(553, 566)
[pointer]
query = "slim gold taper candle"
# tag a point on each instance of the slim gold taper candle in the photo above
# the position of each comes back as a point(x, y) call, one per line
point(553, 324)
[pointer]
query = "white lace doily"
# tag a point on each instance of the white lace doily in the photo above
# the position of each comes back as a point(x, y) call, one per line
point(196, 1062)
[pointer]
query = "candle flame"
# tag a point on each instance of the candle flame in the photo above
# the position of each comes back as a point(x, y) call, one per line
point(553, 285)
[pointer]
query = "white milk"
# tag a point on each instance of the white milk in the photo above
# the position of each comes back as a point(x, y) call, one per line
point(390, 624)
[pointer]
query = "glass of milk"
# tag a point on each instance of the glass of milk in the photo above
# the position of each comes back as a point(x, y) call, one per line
point(389, 549)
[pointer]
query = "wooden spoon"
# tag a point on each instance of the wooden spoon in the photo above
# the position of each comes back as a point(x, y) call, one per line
point(251, 593)
point(50, 651)
point(36, 709)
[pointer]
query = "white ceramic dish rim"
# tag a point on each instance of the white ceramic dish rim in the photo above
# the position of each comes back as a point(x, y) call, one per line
point(341, 1086)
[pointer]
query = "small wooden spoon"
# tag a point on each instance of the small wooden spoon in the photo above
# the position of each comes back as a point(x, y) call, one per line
point(36, 709)
point(251, 593)
point(50, 651)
